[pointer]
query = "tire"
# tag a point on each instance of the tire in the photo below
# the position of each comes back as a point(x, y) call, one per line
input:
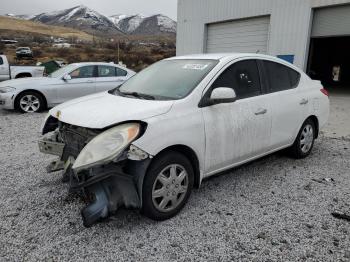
point(165, 192)
point(305, 140)
point(29, 102)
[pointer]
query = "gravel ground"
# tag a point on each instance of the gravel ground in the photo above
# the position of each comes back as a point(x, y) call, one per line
point(274, 209)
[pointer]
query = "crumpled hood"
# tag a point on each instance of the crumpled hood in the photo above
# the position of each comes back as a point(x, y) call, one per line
point(101, 110)
point(34, 81)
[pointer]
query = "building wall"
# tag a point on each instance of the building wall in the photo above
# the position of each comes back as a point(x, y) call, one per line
point(291, 22)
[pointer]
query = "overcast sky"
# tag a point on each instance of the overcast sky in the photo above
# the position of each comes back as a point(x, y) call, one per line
point(106, 7)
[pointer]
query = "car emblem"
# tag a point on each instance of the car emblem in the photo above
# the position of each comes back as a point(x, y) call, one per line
point(58, 114)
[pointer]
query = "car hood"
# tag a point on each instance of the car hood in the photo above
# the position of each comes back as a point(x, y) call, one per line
point(102, 110)
point(30, 81)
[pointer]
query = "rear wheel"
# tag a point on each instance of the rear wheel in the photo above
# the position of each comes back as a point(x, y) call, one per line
point(29, 102)
point(167, 186)
point(304, 142)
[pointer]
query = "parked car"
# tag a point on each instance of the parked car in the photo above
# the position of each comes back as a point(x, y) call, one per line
point(24, 52)
point(147, 143)
point(13, 72)
point(73, 81)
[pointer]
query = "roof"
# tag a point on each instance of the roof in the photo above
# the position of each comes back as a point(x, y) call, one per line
point(96, 63)
point(224, 57)
point(221, 56)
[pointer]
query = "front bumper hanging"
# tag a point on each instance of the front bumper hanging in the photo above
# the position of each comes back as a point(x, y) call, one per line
point(111, 186)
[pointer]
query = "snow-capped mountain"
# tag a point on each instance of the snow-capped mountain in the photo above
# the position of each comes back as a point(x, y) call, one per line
point(82, 18)
point(127, 23)
point(90, 21)
point(141, 24)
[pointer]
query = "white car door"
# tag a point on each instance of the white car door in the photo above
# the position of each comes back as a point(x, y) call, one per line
point(109, 77)
point(82, 83)
point(286, 101)
point(239, 131)
point(4, 70)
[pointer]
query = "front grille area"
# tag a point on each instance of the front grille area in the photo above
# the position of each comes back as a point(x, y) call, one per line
point(75, 139)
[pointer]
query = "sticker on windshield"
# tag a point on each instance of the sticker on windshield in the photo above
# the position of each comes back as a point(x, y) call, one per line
point(195, 66)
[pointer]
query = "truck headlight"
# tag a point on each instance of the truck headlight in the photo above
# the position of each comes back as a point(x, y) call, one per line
point(7, 89)
point(107, 146)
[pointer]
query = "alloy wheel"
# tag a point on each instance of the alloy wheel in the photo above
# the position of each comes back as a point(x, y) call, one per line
point(29, 103)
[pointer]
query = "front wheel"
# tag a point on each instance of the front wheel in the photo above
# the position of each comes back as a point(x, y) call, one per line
point(167, 186)
point(29, 102)
point(304, 142)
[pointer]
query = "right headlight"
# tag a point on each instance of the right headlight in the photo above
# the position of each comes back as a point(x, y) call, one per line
point(7, 89)
point(107, 146)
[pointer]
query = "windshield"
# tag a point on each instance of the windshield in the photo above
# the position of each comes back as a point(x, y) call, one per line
point(62, 71)
point(22, 49)
point(168, 79)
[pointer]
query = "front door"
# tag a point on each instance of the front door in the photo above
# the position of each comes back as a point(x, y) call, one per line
point(82, 83)
point(4, 70)
point(238, 131)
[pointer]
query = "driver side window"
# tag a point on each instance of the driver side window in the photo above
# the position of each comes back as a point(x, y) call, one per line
point(83, 72)
point(243, 77)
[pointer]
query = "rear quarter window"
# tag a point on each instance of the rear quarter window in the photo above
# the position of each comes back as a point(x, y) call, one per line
point(120, 72)
point(281, 77)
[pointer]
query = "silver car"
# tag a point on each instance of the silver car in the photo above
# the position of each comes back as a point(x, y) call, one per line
point(75, 80)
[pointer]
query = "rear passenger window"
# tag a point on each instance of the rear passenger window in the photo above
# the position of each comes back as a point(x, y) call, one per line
point(106, 71)
point(243, 77)
point(281, 77)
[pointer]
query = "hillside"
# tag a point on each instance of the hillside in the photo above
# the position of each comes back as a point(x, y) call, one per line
point(20, 25)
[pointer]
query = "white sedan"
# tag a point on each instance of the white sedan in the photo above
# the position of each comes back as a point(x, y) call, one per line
point(75, 80)
point(153, 139)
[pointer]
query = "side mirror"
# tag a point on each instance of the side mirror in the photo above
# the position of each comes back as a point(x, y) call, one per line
point(67, 77)
point(222, 95)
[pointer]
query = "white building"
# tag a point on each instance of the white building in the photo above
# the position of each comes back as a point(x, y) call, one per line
point(312, 34)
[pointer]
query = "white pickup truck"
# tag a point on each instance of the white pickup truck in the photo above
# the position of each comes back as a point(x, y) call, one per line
point(11, 72)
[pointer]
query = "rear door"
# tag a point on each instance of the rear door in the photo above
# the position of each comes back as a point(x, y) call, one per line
point(83, 83)
point(286, 101)
point(109, 77)
point(4, 70)
point(237, 131)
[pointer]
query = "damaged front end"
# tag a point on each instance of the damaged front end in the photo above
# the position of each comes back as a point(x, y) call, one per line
point(100, 163)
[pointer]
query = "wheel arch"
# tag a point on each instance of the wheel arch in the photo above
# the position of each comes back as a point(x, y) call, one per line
point(30, 90)
point(316, 122)
point(192, 157)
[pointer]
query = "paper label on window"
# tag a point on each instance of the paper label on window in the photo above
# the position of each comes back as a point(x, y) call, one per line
point(195, 66)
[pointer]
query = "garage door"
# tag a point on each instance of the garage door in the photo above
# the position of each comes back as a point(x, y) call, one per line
point(246, 35)
point(331, 21)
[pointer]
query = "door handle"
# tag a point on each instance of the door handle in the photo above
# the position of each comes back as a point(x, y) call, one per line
point(89, 81)
point(261, 111)
point(304, 101)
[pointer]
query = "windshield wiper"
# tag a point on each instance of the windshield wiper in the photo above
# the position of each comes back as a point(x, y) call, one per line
point(138, 95)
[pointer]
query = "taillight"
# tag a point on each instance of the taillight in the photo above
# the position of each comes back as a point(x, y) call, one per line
point(324, 91)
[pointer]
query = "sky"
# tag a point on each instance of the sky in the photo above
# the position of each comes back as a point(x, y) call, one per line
point(105, 7)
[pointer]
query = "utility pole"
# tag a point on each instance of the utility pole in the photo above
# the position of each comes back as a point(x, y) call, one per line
point(118, 51)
